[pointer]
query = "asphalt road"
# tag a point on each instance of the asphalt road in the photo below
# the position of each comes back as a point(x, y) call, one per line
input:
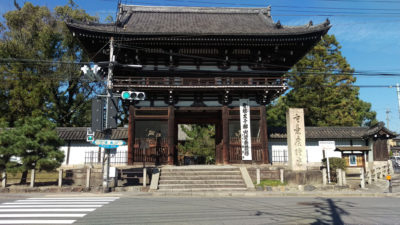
point(232, 210)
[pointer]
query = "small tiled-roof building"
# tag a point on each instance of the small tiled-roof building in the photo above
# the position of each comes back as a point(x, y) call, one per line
point(348, 140)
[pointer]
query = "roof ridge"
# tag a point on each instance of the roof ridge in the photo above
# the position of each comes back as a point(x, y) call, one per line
point(191, 9)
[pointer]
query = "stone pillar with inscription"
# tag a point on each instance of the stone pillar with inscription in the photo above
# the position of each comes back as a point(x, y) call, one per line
point(296, 139)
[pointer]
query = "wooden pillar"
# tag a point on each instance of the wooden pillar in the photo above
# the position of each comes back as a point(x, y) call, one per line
point(218, 142)
point(171, 132)
point(225, 134)
point(131, 134)
point(264, 134)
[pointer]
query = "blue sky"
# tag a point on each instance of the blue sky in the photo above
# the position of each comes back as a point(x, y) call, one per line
point(368, 30)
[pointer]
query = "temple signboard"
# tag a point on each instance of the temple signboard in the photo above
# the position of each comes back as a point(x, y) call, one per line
point(245, 131)
point(296, 139)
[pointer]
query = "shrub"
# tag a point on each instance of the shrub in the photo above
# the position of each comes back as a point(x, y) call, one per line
point(335, 163)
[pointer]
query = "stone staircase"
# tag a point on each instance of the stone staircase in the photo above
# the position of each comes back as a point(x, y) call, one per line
point(353, 177)
point(201, 178)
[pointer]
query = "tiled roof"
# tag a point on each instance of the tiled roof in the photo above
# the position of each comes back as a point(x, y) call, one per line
point(79, 133)
point(322, 132)
point(72, 133)
point(150, 20)
point(354, 148)
point(379, 128)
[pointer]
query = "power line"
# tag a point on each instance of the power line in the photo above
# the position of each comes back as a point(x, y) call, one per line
point(305, 73)
point(273, 5)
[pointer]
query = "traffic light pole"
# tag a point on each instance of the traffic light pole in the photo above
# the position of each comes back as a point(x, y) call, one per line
point(107, 131)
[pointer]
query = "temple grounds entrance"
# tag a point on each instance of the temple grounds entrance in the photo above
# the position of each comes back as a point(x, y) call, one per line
point(198, 135)
point(196, 144)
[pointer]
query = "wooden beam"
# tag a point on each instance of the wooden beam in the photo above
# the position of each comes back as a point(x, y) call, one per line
point(151, 117)
point(131, 134)
point(264, 134)
point(171, 134)
point(225, 134)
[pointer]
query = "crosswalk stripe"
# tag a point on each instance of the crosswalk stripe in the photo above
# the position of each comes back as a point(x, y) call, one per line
point(52, 206)
point(54, 203)
point(40, 210)
point(37, 221)
point(54, 200)
point(90, 198)
point(49, 210)
point(47, 215)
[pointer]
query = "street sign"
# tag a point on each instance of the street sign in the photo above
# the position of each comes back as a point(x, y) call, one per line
point(109, 143)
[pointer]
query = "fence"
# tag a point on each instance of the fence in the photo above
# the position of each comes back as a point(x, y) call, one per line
point(96, 157)
point(279, 155)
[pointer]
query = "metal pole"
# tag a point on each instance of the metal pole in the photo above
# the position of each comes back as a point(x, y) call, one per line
point(398, 96)
point(387, 117)
point(106, 175)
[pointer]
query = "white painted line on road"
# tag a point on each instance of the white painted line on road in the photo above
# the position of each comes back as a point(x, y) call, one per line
point(52, 206)
point(37, 221)
point(53, 200)
point(53, 203)
point(49, 210)
point(88, 198)
point(41, 215)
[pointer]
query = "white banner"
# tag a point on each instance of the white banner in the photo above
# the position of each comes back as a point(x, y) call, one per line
point(245, 129)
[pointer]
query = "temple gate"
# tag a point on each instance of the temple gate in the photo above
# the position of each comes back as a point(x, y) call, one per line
point(195, 65)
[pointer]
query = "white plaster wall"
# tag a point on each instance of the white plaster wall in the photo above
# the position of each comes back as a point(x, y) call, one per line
point(314, 152)
point(79, 149)
point(77, 152)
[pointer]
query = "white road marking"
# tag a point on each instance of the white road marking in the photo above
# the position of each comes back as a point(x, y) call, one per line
point(89, 198)
point(49, 210)
point(16, 215)
point(53, 203)
point(52, 206)
point(37, 221)
point(54, 200)
point(36, 210)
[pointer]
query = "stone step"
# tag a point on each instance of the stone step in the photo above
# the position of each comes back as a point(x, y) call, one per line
point(353, 178)
point(189, 186)
point(198, 169)
point(198, 177)
point(204, 190)
point(201, 178)
point(202, 181)
point(200, 173)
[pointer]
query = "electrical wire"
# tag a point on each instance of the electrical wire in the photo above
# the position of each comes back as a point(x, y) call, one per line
point(305, 73)
point(287, 8)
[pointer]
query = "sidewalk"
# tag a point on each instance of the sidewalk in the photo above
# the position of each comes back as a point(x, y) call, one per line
point(379, 188)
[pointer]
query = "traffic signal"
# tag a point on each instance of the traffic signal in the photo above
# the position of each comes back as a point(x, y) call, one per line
point(133, 95)
point(112, 112)
point(97, 114)
point(89, 135)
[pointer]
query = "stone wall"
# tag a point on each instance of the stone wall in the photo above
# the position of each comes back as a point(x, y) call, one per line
point(310, 177)
point(265, 174)
point(77, 177)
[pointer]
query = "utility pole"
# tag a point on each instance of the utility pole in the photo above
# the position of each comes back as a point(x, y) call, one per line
point(387, 117)
point(107, 130)
point(398, 96)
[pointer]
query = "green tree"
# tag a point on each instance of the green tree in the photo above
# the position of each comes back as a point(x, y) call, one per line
point(9, 146)
point(200, 141)
point(38, 144)
point(323, 84)
point(32, 81)
point(29, 34)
